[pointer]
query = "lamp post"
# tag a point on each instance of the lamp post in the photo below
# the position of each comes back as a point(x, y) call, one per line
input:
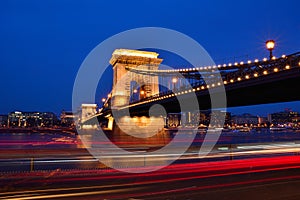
point(270, 44)
point(174, 81)
point(134, 96)
point(142, 94)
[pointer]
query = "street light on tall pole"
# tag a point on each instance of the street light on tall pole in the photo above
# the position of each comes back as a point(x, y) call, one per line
point(270, 44)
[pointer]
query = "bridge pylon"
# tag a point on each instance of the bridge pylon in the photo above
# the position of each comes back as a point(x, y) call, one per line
point(123, 79)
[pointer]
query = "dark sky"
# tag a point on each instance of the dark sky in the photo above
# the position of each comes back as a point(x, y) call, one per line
point(43, 43)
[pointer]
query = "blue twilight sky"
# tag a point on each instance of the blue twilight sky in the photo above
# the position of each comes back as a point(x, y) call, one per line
point(43, 43)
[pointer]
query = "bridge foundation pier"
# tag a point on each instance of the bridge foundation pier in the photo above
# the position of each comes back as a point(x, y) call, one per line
point(141, 132)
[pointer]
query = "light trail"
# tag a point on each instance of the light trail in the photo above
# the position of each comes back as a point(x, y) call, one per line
point(173, 173)
point(242, 151)
point(64, 195)
point(241, 167)
point(66, 161)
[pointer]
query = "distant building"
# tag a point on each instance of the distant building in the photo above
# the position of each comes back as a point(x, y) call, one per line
point(49, 119)
point(262, 120)
point(3, 120)
point(15, 119)
point(245, 119)
point(198, 118)
point(31, 119)
point(206, 117)
point(67, 118)
point(173, 119)
point(284, 117)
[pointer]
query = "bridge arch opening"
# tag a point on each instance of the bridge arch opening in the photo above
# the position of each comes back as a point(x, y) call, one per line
point(134, 91)
point(125, 81)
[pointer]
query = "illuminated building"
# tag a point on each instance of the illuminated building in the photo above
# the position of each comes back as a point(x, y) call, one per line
point(284, 117)
point(15, 119)
point(197, 118)
point(67, 118)
point(173, 119)
point(31, 119)
point(262, 120)
point(245, 118)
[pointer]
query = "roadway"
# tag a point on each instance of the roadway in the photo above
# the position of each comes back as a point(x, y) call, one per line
point(17, 160)
point(269, 170)
point(255, 178)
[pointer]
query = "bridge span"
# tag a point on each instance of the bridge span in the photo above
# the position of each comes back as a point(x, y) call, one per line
point(245, 83)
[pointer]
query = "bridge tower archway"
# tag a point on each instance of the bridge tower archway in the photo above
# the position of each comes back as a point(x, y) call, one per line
point(122, 61)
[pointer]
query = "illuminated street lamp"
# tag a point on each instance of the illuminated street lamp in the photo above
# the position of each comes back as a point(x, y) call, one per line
point(174, 81)
point(142, 94)
point(270, 44)
point(103, 100)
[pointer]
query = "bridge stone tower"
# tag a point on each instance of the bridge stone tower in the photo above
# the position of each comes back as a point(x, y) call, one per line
point(88, 110)
point(124, 60)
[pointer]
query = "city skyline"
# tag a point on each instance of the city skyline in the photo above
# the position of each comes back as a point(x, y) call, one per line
point(44, 43)
point(253, 110)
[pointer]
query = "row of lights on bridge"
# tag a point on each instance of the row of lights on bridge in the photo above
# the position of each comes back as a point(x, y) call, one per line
point(270, 44)
point(256, 74)
point(218, 66)
point(215, 66)
point(225, 82)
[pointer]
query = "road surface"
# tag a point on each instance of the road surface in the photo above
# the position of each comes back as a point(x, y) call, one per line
point(254, 178)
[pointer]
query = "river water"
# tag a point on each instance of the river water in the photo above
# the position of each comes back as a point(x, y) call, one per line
point(38, 140)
